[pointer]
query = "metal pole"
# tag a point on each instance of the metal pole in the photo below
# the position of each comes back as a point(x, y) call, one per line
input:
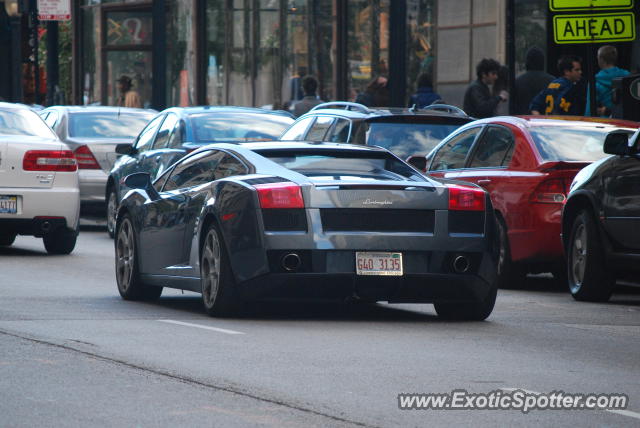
point(52, 61)
point(16, 59)
point(398, 54)
point(33, 28)
point(159, 59)
point(511, 52)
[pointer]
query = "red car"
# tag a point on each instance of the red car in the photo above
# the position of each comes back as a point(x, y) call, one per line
point(526, 164)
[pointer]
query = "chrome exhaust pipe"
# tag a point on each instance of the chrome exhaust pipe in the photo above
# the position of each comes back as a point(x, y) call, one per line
point(291, 262)
point(461, 264)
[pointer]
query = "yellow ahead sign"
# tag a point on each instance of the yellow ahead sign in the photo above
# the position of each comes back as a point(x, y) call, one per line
point(594, 28)
point(564, 5)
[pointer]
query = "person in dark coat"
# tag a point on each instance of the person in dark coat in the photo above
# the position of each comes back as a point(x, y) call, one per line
point(424, 95)
point(376, 94)
point(478, 101)
point(310, 99)
point(531, 82)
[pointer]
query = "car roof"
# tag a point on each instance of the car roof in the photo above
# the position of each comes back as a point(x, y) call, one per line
point(102, 109)
point(186, 111)
point(563, 121)
point(293, 145)
point(360, 111)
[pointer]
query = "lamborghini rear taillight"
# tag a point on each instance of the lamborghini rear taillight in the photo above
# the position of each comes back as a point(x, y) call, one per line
point(280, 195)
point(49, 160)
point(463, 198)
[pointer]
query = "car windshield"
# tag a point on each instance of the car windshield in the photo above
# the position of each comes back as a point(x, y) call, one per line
point(215, 126)
point(343, 165)
point(107, 125)
point(407, 139)
point(23, 122)
point(584, 144)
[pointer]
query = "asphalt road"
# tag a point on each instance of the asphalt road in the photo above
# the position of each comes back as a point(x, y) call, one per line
point(72, 353)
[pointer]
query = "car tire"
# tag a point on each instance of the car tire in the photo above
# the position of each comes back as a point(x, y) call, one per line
point(587, 276)
point(509, 275)
point(7, 239)
point(112, 209)
point(476, 310)
point(216, 279)
point(60, 241)
point(130, 284)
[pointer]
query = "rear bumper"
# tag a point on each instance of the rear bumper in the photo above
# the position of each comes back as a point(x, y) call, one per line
point(428, 277)
point(541, 241)
point(60, 207)
point(93, 185)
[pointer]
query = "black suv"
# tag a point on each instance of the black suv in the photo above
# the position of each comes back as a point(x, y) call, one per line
point(406, 132)
point(601, 220)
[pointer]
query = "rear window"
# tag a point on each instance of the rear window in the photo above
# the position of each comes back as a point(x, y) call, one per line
point(107, 125)
point(407, 139)
point(215, 126)
point(23, 122)
point(343, 165)
point(556, 143)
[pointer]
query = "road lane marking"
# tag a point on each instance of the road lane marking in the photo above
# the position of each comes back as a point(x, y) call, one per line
point(627, 413)
point(205, 327)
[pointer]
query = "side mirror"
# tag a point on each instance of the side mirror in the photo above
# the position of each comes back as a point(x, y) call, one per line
point(418, 162)
point(617, 143)
point(125, 149)
point(138, 180)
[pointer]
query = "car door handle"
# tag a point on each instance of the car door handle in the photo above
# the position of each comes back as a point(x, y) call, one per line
point(485, 181)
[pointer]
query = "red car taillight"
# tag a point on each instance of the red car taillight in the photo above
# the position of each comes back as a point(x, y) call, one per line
point(49, 160)
point(466, 198)
point(280, 195)
point(85, 158)
point(550, 192)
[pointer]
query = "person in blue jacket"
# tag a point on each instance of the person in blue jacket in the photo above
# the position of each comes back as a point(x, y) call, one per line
point(565, 95)
point(424, 95)
point(607, 60)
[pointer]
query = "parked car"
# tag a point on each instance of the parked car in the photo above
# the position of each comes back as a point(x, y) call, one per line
point(406, 132)
point(526, 164)
point(601, 220)
point(39, 191)
point(291, 220)
point(179, 130)
point(92, 133)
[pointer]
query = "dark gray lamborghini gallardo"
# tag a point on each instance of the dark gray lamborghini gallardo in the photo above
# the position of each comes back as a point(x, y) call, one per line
point(306, 220)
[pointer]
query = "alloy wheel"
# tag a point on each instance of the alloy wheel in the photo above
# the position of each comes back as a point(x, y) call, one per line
point(125, 255)
point(210, 268)
point(578, 257)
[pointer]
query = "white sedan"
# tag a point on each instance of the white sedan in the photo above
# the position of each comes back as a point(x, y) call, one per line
point(39, 191)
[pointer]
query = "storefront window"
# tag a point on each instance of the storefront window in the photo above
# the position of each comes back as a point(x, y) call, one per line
point(296, 51)
point(134, 64)
point(530, 28)
point(215, 52)
point(90, 88)
point(128, 28)
point(268, 80)
point(368, 40)
point(421, 43)
point(240, 77)
point(180, 53)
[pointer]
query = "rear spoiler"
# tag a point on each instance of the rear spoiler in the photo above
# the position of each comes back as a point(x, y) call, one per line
point(562, 165)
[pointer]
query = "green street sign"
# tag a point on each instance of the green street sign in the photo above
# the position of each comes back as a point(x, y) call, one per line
point(594, 28)
point(598, 5)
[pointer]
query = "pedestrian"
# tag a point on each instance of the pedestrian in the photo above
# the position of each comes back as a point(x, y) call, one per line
point(376, 94)
point(128, 97)
point(310, 99)
point(531, 82)
point(478, 101)
point(607, 60)
point(564, 95)
point(424, 95)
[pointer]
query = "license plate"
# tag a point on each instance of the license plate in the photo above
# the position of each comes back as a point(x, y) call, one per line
point(388, 264)
point(8, 204)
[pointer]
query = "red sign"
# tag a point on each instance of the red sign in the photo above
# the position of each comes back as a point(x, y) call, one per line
point(54, 10)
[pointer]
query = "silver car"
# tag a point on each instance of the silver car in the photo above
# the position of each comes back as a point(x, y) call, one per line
point(92, 133)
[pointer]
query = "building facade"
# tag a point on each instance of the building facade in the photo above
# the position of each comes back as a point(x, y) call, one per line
point(254, 52)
